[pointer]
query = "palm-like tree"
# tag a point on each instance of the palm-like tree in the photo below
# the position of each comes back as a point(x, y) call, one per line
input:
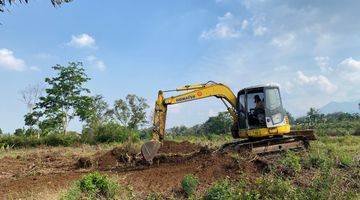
point(3, 3)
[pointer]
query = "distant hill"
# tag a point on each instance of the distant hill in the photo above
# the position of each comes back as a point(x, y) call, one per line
point(349, 107)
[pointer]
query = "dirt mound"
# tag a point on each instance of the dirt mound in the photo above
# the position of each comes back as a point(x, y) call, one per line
point(170, 151)
point(185, 147)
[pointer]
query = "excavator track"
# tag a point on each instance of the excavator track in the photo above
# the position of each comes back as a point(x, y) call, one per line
point(296, 140)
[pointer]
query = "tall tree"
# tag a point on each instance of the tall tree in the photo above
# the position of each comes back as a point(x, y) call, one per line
point(131, 112)
point(30, 95)
point(99, 112)
point(65, 99)
point(1, 132)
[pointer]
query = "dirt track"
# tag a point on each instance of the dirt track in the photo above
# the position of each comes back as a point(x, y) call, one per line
point(34, 174)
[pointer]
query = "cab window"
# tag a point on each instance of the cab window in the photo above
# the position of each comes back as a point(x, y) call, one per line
point(273, 100)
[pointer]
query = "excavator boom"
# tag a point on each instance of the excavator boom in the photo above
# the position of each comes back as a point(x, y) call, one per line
point(193, 92)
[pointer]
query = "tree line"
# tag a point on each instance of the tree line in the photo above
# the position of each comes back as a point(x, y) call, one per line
point(65, 98)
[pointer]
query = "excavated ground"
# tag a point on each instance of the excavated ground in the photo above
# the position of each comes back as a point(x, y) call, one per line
point(51, 171)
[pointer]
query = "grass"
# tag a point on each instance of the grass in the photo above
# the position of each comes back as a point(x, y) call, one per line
point(80, 150)
point(330, 170)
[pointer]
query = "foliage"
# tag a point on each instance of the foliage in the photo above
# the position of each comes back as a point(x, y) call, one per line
point(54, 139)
point(64, 99)
point(220, 124)
point(131, 112)
point(4, 2)
point(99, 112)
point(93, 186)
point(291, 161)
point(19, 132)
point(217, 125)
point(270, 187)
point(110, 132)
point(154, 196)
point(1, 132)
point(189, 184)
point(219, 191)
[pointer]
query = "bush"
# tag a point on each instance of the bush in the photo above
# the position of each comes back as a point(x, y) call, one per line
point(275, 188)
point(189, 184)
point(93, 186)
point(219, 191)
point(291, 161)
point(113, 132)
point(59, 139)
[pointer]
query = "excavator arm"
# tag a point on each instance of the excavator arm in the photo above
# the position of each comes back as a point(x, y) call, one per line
point(193, 92)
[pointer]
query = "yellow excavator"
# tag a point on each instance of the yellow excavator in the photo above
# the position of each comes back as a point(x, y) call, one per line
point(260, 122)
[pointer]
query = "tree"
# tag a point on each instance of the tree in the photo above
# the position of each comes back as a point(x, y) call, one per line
point(1, 132)
point(220, 124)
point(179, 130)
point(99, 112)
point(30, 95)
point(4, 2)
point(19, 132)
point(131, 112)
point(65, 99)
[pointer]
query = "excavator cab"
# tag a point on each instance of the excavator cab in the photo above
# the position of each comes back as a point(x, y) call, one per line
point(260, 112)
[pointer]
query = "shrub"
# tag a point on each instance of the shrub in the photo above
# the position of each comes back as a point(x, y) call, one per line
point(113, 132)
point(59, 139)
point(345, 160)
point(291, 161)
point(219, 191)
point(270, 187)
point(189, 184)
point(93, 186)
point(316, 161)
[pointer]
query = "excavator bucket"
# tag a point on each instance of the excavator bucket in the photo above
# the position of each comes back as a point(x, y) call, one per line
point(150, 149)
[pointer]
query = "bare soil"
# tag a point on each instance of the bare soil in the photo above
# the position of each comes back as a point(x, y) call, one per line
point(36, 173)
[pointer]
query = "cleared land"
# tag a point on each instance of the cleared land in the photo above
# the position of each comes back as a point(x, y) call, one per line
point(46, 173)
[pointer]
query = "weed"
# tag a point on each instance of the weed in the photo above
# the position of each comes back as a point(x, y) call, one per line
point(219, 191)
point(291, 161)
point(154, 196)
point(189, 184)
point(93, 185)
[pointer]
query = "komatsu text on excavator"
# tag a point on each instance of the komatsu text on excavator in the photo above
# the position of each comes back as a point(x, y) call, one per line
point(259, 119)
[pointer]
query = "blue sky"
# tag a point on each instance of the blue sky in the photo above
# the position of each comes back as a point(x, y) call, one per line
point(310, 48)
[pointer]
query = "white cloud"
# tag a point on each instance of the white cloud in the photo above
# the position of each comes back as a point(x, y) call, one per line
point(349, 69)
point(283, 41)
point(82, 40)
point(227, 27)
point(244, 24)
point(318, 81)
point(260, 30)
point(10, 62)
point(323, 63)
point(96, 62)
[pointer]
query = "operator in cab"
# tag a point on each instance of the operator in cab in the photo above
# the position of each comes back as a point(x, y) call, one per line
point(258, 103)
point(259, 111)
